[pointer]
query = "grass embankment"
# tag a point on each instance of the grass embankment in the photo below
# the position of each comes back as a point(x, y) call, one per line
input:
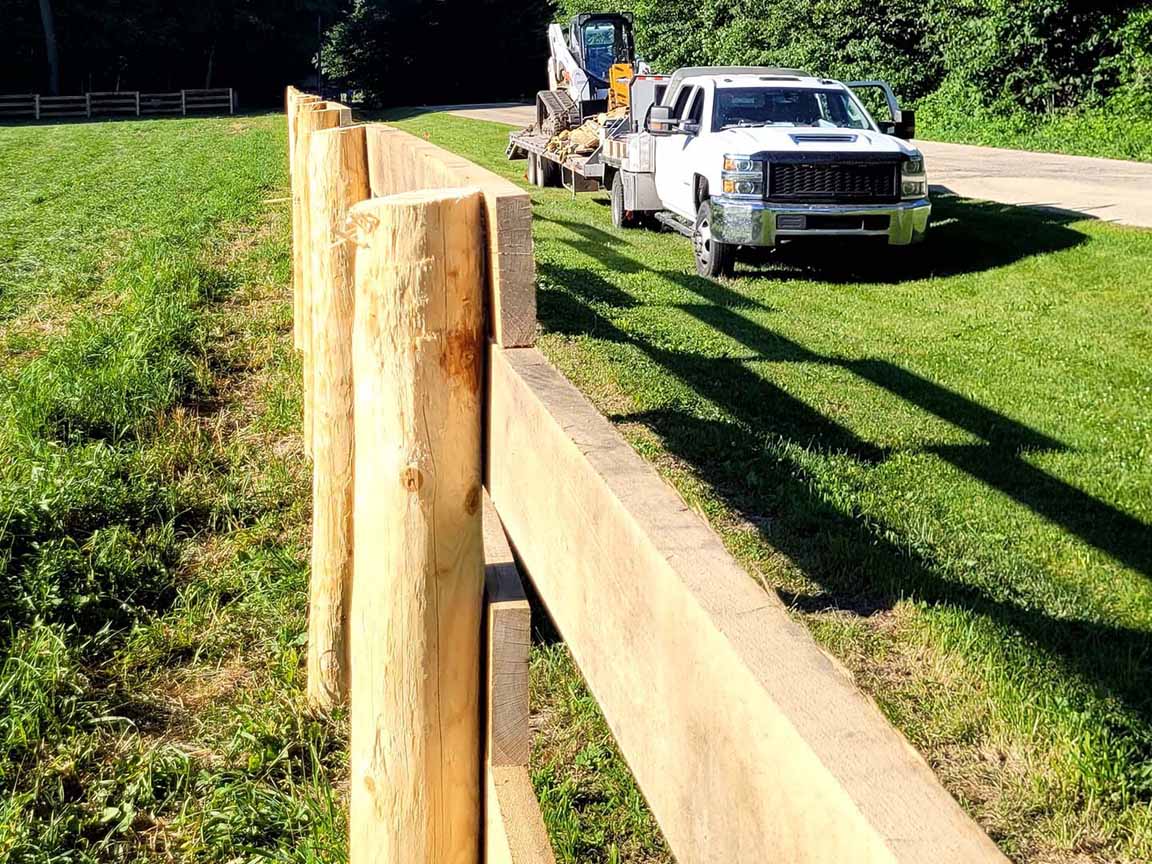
point(1117, 130)
point(153, 502)
point(938, 457)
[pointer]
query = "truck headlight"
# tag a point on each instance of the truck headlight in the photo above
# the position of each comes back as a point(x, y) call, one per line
point(741, 164)
point(743, 176)
point(913, 180)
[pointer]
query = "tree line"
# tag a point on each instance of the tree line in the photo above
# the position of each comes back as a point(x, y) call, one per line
point(1028, 55)
point(1031, 55)
point(396, 51)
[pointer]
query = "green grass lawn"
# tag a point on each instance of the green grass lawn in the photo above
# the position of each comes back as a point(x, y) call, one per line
point(153, 503)
point(941, 458)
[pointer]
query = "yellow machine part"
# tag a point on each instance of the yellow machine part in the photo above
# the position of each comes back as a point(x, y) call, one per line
point(619, 74)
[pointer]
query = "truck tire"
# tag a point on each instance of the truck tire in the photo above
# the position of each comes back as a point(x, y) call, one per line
point(713, 257)
point(621, 218)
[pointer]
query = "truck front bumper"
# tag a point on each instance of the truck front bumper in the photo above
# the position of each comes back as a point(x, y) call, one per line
point(745, 222)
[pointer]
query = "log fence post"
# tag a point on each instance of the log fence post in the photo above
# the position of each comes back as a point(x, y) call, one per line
point(337, 179)
point(415, 626)
point(310, 117)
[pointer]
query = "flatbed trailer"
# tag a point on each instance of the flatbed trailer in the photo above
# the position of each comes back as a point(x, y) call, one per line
point(595, 170)
point(575, 172)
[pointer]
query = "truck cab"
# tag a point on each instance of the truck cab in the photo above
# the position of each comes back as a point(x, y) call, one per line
point(752, 157)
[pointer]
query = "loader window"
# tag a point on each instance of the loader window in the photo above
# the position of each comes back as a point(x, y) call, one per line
point(605, 43)
point(784, 106)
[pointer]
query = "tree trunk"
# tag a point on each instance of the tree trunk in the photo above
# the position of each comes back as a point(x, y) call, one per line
point(211, 61)
point(50, 49)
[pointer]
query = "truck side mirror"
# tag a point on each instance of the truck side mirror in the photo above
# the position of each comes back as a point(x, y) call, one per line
point(660, 120)
point(905, 125)
point(690, 128)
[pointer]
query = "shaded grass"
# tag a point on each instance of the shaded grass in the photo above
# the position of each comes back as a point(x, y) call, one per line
point(151, 564)
point(938, 459)
point(592, 808)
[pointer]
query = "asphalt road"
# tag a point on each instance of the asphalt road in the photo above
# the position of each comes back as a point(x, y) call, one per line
point(1107, 189)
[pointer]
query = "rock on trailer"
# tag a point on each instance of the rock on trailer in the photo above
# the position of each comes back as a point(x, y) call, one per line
point(738, 157)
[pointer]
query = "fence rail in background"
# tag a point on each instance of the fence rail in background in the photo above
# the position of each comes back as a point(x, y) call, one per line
point(18, 106)
point(64, 107)
point(748, 742)
point(110, 104)
point(196, 101)
point(162, 103)
point(118, 103)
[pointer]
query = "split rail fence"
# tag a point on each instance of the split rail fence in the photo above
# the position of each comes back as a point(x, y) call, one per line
point(121, 103)
point(442, 441)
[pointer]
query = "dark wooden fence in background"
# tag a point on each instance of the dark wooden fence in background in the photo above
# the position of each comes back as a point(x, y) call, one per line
point(122, 103)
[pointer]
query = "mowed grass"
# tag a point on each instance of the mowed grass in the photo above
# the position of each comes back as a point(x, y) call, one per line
point(153, 503)
point(941, 458)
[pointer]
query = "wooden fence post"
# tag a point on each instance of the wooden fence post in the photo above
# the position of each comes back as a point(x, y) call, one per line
point(337, 179)
point(296, 100)
point(292, 108)
point(416, 609)
point(310, 117)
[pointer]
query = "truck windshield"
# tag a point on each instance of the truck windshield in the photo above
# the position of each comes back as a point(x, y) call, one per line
point(784, 106)
point(605, 43)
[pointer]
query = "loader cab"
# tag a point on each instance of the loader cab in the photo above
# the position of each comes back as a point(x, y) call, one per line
point(598, 40)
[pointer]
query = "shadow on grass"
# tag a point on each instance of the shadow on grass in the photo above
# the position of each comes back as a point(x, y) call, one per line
point(964, 237)
point(858, 564)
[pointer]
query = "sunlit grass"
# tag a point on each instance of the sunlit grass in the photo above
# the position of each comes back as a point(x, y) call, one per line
point(154, 502)
point(938, 457)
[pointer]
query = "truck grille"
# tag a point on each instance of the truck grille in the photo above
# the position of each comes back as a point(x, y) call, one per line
point(801, 181)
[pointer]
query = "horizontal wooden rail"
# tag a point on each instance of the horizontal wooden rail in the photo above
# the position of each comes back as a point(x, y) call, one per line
point(749, 743)
point(399, 162)
point(514, 830)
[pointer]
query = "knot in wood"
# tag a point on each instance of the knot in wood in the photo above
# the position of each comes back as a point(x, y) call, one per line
point(411, 478)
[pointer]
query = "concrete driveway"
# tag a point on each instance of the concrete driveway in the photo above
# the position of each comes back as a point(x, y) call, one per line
point(1106, 189)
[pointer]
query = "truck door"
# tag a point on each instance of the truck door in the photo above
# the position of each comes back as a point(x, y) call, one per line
point(673, 153)
point(879, 99)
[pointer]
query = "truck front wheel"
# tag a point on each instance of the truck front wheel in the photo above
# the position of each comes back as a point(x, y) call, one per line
point(713, 257)
point(621, 218)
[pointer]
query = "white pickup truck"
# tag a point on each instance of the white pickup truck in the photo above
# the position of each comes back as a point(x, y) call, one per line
point(738, 157)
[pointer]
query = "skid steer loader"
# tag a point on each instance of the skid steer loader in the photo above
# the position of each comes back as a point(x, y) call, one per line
point(589, 65)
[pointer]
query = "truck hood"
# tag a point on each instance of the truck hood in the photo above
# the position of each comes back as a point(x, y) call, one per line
point(807, 139)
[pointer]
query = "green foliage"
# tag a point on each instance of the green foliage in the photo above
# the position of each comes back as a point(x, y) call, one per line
point(412, 52)
point(255, 46)
point(980, 70)
point(1119, 129)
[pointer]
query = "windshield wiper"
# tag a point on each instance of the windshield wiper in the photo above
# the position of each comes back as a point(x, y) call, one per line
point(744, 124)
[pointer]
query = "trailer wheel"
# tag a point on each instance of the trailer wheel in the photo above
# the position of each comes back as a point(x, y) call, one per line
point(547, 172)
point(713, 257)
point(621, 218)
